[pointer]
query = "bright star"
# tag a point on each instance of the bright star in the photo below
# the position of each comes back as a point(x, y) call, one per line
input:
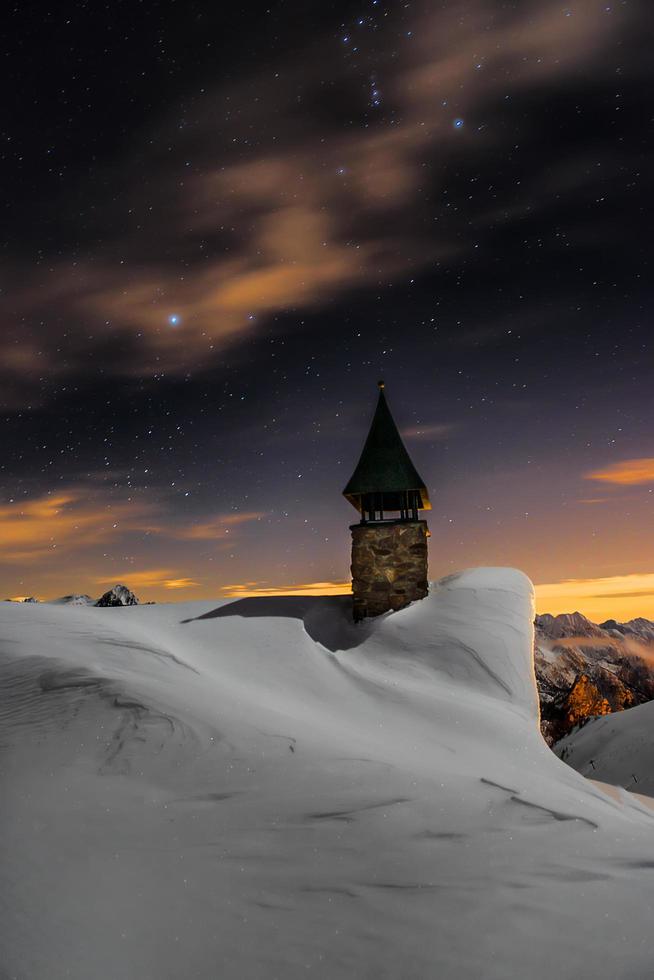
point(458, 123)
point(173, 319)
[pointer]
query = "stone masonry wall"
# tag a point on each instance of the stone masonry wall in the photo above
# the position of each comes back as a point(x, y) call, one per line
point(389, 566)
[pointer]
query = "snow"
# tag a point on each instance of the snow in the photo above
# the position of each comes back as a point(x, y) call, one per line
point(119, 595)
point(548, 653)
point(616, 748)
point(261, 789)
point(76, 599)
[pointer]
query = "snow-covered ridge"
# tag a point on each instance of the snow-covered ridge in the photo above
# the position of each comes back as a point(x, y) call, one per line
point(74, 599)
point(616, 748)
point(259, 788)
point(566, 625)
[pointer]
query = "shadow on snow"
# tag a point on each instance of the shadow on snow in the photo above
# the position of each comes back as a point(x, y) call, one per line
point(326, 619)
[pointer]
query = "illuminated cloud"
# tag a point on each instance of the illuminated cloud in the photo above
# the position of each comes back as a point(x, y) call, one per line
point(621, 645)
point(152, 578)
point(62, 522)
point(615, 585)
point(78, 519)
point(73, 533)
point(179, 583)
point(628, 472)
point(248, 589)
point(217, 528)
point(295, 221)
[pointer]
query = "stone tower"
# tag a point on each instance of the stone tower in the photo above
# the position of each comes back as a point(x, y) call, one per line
point(389, 544)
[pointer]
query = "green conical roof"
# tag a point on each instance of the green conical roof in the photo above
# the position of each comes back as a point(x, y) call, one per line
point(385, 466)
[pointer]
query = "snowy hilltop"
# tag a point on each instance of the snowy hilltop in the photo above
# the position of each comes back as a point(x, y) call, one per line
point(618, 749)
point(584, 669)
point(75, 599)
point(258, 788)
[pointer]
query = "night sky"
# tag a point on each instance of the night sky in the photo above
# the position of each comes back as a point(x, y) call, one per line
point(222, 224)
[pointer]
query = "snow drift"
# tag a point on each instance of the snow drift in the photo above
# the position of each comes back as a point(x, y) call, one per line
point(260, 789)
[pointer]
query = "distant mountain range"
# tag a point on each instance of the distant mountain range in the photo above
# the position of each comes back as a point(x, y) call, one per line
point(119, 595)
point(585, 669)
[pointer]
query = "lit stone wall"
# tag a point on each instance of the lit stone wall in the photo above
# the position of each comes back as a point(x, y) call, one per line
point(389, 566)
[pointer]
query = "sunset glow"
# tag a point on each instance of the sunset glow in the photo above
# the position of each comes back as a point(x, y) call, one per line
point(310, 588)
point(620, 597)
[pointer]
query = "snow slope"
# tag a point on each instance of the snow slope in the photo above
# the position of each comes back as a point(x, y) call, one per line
point(260, 789)
point(616, 748)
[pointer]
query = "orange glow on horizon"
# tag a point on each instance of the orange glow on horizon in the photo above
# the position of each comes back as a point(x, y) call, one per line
point(620, 597)
point(250, 589)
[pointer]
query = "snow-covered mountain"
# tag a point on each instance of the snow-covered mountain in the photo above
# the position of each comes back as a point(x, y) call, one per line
point(259, 788)
point(567, 625)
point(618, 749)
point(584, 670)
point(75, 599)
point(119, 595)
point(640, 628)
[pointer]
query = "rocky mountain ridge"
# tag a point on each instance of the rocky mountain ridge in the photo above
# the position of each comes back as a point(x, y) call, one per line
point(119, 595)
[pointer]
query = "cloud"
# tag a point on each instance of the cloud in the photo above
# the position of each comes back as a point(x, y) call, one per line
point(304, 213)
point(152, 578)
point(80, 518)
point(248, 589)
point(628, 472)
point(624, 645)
point(436, 431)
point(62, 522)
point(217, 528)
point(611, 586)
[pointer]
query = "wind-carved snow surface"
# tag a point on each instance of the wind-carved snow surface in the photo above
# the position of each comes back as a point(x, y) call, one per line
point(261, 789)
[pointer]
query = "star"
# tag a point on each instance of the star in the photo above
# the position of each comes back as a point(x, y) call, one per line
point(174, 320)
point(458, 123)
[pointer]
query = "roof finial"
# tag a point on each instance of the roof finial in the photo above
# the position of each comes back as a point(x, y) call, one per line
point(380, 385)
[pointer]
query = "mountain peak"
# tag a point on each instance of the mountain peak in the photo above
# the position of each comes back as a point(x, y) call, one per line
point(567, 624)
point(119, 595)
point(640, 628)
